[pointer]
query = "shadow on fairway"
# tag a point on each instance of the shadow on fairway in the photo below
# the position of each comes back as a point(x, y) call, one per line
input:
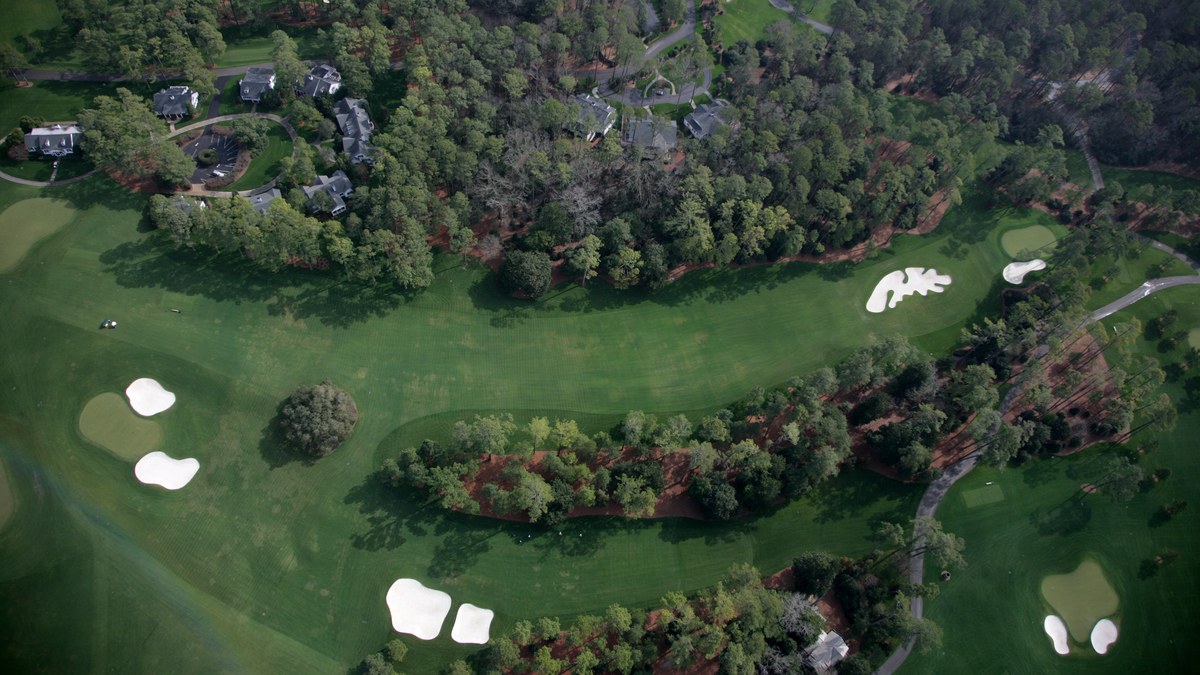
point(151, 263)
point(274, 450)
point(1067, 518)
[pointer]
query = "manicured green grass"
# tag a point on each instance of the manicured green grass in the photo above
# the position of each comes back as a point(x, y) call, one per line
point(267, 165)
point(1129, 271)
point(747, 20)
point(7, 503)
point(272, 565)
point(108, 421)
point(816, 9)
point(34, 168)
point(231, 100)
point(54, 101)
point(27, 222)
point(1081, 598)
point(992, 610)
point(70, 167)
point(26, 16)
point(1029, 242)
point(247, 45)
point(1078, 173)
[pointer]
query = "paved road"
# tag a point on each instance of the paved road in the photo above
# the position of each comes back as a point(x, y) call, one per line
point(786, 6)
point(181, 130)
point(937, 489)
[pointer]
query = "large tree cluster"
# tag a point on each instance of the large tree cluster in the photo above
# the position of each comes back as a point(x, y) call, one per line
point(316, 420)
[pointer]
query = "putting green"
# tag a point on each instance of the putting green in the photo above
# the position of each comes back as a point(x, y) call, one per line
point(1026, 241)
point(1194, 337)
point(7, 503)
point(27, 222)
point(1081, 597)
point(988, 494)
point(108, 422)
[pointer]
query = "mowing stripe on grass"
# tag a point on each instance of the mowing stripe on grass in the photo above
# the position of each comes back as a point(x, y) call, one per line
point(27, 222)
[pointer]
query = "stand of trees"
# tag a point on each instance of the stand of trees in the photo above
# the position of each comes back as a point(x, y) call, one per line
point(124, 135)
point(739, 625)
point(316, 420)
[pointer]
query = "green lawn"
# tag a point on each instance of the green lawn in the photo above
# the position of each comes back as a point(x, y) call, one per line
point(266, 166)
point(1078, 173)
point(55, 101)
point(35, 168)
point(27, 222)
point(992, 610)
point(271, 565)
point(27, 16)
point(247, 45)
point(746, 20)
point(231, 99)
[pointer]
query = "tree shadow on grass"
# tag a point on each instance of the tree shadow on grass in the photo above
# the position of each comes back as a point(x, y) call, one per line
point(1067, 518)
point(1147, 569)
point(1040, 471)
point(389, 514)
point(274, 449)
point(459, 551)
point(152, 263)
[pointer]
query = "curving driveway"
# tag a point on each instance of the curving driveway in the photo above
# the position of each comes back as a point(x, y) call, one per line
point(181, 130)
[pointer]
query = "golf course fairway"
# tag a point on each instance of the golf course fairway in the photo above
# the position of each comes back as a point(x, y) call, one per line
point(271, 564)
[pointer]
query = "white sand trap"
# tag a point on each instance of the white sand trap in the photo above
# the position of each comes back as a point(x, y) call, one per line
point(417, 610)
point(147, 397)
point(471, 625)
point(1057, 630)
point(1014, 273)
point(159, 468)
point(920, 280)
point(1103, 635)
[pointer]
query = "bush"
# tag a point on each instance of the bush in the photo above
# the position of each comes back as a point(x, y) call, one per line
point(207, 157)
point(526, 273)
point(316, 420)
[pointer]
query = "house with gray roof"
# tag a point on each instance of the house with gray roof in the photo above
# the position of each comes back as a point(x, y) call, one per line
point(656, 136)
point(706, 119)
point(262, 201)
point(355, 123)
point(826, 653)
point(337, 186)
point(176, 103)
point(596, 118)
point(322, 79)
point(257, 81)
point(55, 140)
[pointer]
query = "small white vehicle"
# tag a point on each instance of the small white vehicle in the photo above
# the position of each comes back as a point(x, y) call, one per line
point(219, 174)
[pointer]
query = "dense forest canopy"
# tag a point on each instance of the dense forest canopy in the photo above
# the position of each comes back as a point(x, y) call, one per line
point(814, 158)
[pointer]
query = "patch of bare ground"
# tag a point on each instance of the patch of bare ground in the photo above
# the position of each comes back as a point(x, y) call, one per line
point(673, 502)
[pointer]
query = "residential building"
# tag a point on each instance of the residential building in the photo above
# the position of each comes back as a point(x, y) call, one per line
point(176, 103)
point(355, 123)
point(706, 119)
point(262, 201)
point(55, 140)
point(337, 186)
point(656, 136)
point(826, 653)
point(187, 204)
point(257, 81)
point(322, 79)
point(596, 118)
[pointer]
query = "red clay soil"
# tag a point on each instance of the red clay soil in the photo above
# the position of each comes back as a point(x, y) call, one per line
point(827, 605)
point(673, 502)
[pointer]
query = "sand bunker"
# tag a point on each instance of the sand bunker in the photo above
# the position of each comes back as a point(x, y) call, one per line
point(1103, 635)
point(920, 280)
point(1057, 631)
point(471, 625)
point(159, 468)
point(1081, 598)
point(1014, 273)
point(417, 610)
point(147, 397)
